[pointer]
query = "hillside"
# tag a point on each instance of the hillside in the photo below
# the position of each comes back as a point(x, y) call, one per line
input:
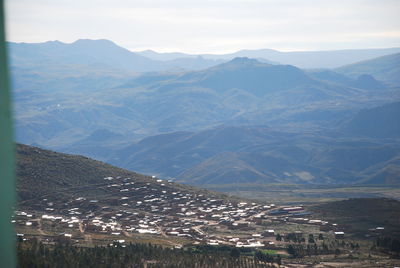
point(252, 76)
point(361, 214)
point(43, 173)
point(378, 122)
point(364, 81)
point(84, 204)
point(385, 68)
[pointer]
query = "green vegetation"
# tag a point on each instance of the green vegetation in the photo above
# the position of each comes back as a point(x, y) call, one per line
point(36, 254)
point(389, 244)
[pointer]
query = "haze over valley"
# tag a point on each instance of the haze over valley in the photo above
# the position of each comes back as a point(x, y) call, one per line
point(214, 119)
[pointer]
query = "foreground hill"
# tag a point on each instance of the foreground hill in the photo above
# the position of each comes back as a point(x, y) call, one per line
point(42, 173)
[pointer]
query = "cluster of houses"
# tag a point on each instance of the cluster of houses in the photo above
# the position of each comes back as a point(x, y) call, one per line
point(128, 207)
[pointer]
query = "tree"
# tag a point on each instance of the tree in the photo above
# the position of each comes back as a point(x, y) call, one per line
point(278, 237)
point(311, 238)
point(235, 253)
point(278, 260)
point(291, 250)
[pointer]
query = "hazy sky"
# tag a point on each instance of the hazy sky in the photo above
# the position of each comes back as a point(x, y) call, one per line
point(209, 26)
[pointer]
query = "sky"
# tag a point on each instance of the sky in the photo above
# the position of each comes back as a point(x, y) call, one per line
point(205, 26)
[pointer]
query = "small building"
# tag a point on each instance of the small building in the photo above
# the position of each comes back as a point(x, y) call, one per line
point(239, 225)
point(268, 233)
point(339, 234)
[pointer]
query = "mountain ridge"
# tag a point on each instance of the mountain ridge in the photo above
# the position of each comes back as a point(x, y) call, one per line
point(100, 52)
point(152, 61)
point(257, 154)
point(301, 59)
point(385, 68)
point(61, 111)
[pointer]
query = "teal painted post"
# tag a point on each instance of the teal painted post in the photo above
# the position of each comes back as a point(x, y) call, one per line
point(7, 154)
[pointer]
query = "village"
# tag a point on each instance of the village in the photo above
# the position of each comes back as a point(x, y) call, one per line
point(133, 207)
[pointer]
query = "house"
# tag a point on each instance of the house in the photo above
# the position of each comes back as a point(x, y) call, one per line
point(268, 233)
point(339, 234)
point(289, 209)
point(239, 225)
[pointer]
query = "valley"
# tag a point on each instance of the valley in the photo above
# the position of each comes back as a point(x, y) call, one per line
point(123, 208)
point(253, 159)
point(238, 121)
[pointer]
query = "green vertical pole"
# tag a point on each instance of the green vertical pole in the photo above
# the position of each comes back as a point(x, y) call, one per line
point(7, 173)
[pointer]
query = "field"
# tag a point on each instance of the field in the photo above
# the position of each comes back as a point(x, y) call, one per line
point(306, 194)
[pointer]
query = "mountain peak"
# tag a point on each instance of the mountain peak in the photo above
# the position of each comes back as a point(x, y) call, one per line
point(57, 42)
point(241, 62)
point(83, 41)
point(244, 60)
point(95, 42)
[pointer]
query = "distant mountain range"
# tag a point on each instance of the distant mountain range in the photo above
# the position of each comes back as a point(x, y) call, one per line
point(60, 110)
point(104, 55)
point(257, 154)
point(239, 120)
point(301, 59)
point(385, 68)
